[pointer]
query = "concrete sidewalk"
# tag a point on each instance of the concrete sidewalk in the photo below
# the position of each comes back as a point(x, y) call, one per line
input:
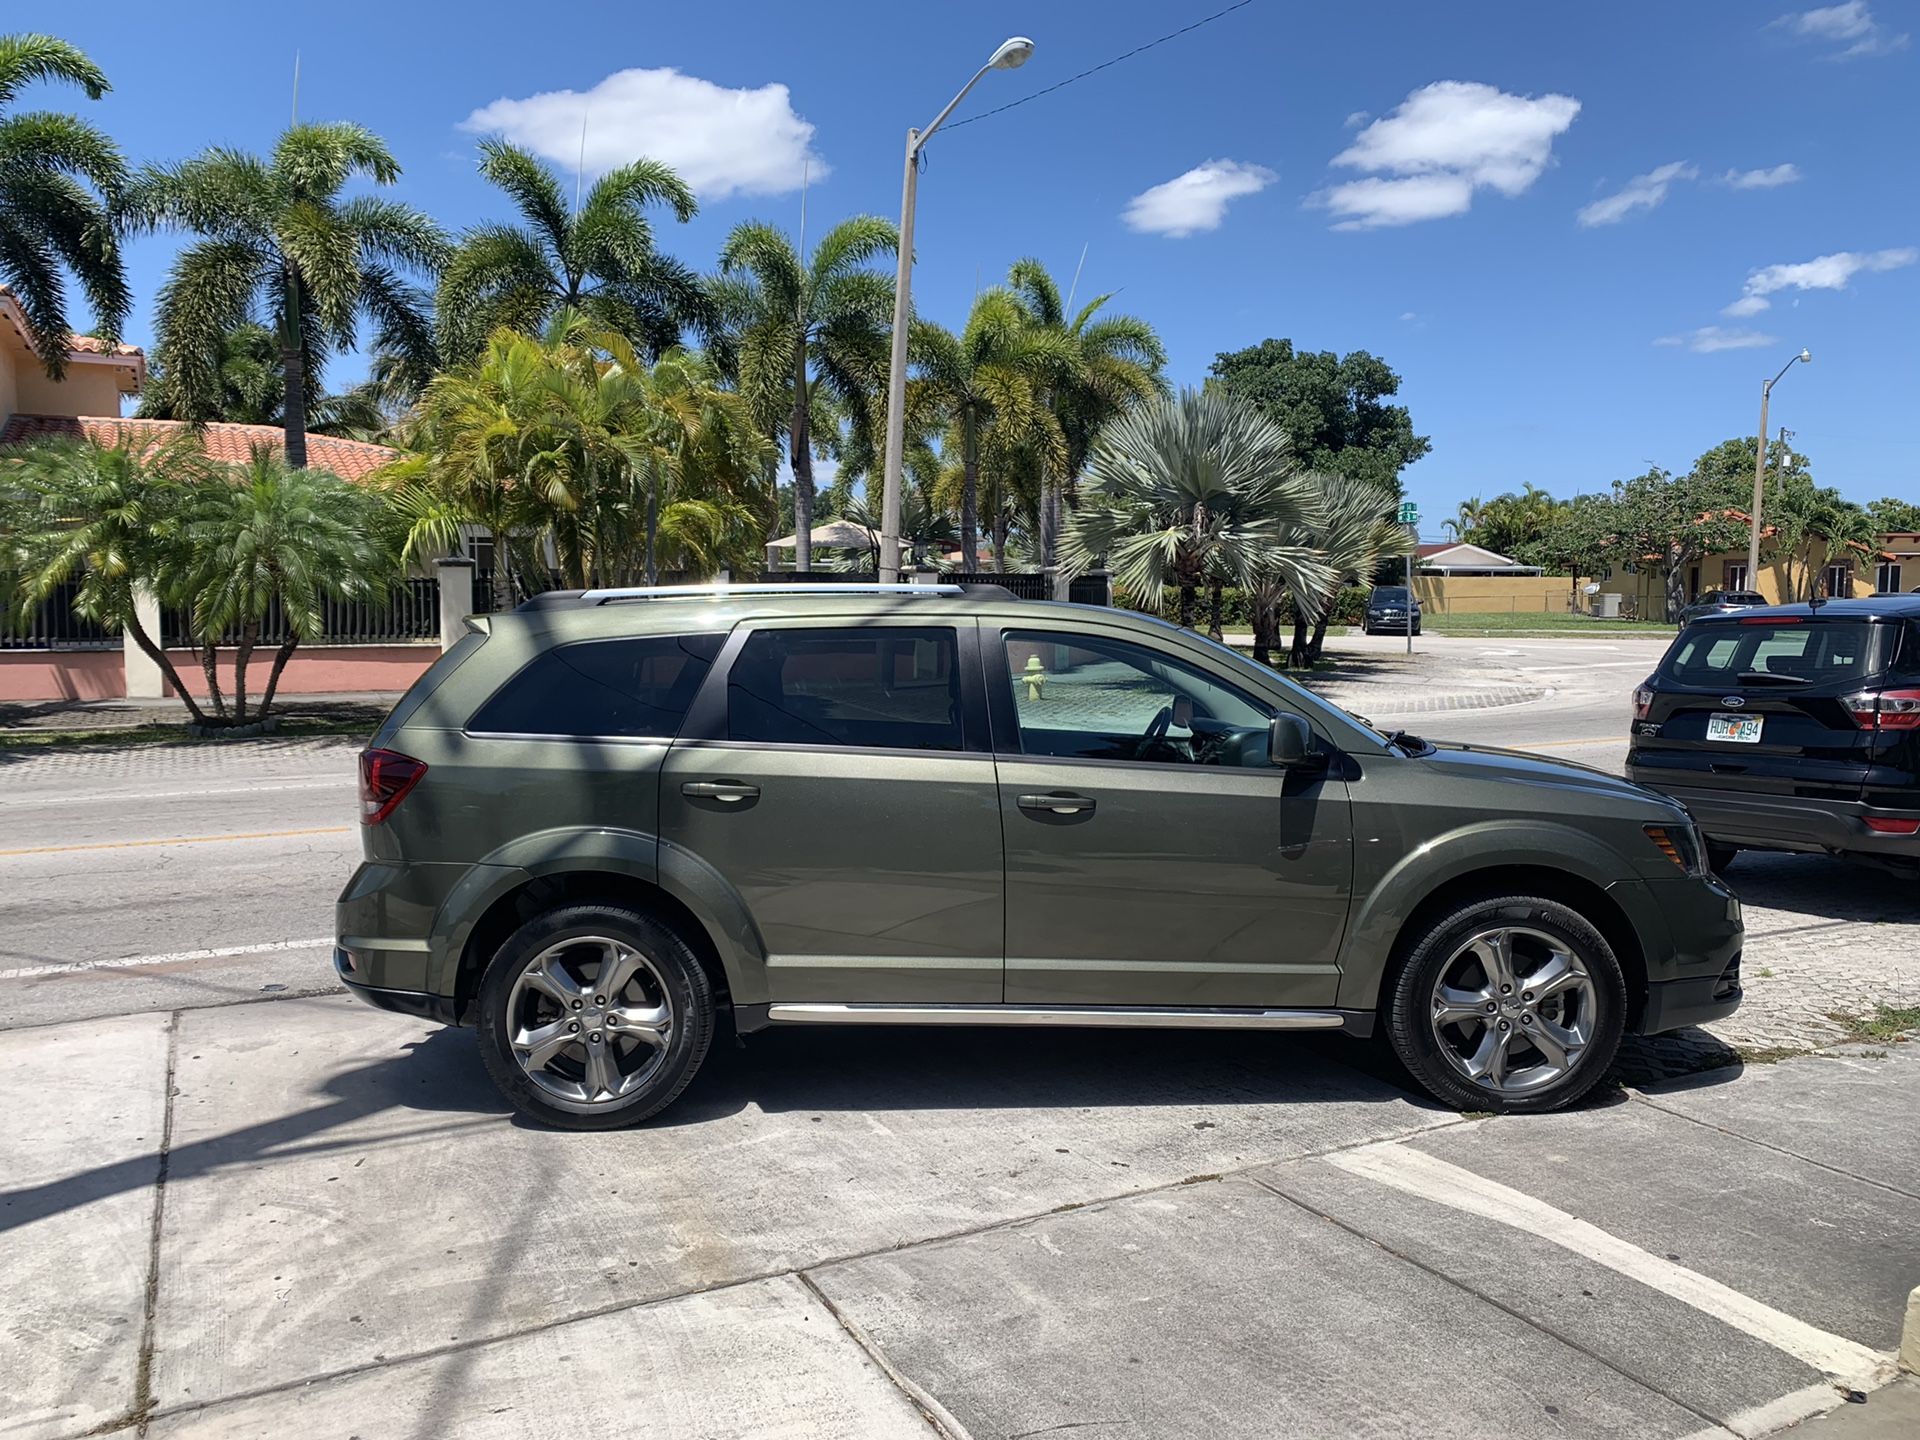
point(302, 1215)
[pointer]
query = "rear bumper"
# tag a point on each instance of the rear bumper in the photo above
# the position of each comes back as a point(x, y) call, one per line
point(1783, 822)
point(421, 1004)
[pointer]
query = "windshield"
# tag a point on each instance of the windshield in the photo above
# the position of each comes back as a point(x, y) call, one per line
point(1394, 594)
point(1783, 652)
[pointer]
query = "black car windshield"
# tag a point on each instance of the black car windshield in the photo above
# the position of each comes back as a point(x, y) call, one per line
point(1395, 595)
point(1752, 653)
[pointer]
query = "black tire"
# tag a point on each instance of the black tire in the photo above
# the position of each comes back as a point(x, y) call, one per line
point(676, 974)
point(1407, 1007)
point(1720, 856)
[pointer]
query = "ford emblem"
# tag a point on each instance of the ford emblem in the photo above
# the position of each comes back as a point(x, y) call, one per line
point(1732, 702)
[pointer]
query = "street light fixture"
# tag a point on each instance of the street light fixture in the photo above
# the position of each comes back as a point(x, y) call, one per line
point(1805, 357)
point(1012, 54)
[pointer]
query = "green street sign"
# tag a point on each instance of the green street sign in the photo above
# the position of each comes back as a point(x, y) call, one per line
point(1409, 513)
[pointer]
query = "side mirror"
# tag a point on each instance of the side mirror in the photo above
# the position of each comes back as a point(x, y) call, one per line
point(1289, 741)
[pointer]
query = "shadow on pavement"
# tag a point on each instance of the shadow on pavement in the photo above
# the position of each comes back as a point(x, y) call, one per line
point(1816, 885)
point(1701, 1058)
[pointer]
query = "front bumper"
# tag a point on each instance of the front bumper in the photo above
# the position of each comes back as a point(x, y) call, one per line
point(1691, 933)
point(1785, 822)
point(421, 1004)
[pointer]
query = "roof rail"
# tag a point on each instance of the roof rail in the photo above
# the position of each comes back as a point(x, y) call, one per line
point(723, 591)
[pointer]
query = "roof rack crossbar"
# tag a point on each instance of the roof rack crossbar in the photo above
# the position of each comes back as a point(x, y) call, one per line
point(722, 591)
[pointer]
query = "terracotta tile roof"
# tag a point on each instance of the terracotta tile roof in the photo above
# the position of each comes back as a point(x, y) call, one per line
point(349, 459)
point(86, 344)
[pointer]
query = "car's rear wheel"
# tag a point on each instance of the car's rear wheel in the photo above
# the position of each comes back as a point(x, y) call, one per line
point(1511, 1004)
point(594, 1016)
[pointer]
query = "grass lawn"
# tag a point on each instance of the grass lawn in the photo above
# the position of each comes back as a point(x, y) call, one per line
point(1552, 623)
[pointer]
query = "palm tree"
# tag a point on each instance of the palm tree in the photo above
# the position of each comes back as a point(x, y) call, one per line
point(1196, 489)
point(114, 517)
point(278, 240)
point(1116, 362)
point(270, 536)
point(249, 391)
point(1472, 514)
point(1356, 535)
point(799, 326)
point(59, 177)
point(989, 384)
point(596, 258)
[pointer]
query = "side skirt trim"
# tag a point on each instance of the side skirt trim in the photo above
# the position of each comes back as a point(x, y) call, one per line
point(1109, 1016)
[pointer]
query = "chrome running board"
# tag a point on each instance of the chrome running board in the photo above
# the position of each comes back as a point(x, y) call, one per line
point(1113, 1016)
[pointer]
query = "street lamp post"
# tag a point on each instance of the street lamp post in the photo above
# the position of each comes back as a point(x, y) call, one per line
point(1760, 470)
point(1011, 55)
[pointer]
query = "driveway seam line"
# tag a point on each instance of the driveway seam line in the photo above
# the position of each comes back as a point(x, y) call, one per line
point(1499, 1305)
point(1777, 1149)
point(141, 1411)
point(931, 1410)
point(435, 1352)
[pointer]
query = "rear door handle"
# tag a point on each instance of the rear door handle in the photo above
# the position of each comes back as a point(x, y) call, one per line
point(732, 791)
point(1058, 804)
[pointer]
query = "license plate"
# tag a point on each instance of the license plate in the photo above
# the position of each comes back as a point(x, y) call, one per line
point(1740, 729)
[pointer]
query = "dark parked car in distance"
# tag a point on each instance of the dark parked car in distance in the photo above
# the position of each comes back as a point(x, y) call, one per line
point(1791, 727)
point(610, 825)
point(1387, 610)
point(1721, 602)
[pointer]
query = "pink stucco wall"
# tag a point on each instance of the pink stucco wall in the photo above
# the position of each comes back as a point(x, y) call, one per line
point(318, 670)
point(62, 675)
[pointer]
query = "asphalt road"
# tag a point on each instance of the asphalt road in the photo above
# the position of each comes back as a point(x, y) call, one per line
point(152, 879)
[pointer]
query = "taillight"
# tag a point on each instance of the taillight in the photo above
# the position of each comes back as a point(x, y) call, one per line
point(1890, 825)
point(1889, 709)
point(1642, 702)
point(386, 777)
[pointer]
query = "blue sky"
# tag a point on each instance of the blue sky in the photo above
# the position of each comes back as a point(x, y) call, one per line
point(1513, 204)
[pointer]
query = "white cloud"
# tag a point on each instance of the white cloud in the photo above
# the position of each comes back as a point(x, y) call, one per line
point(1643, 192)
point(1828, 272)
point(1196, 200)
point(1787, 174)
point(1446, 140)
point(1409, 315)
point(1709, 338)
point(1851, 26)
point(722, 142)
point(1356, 119)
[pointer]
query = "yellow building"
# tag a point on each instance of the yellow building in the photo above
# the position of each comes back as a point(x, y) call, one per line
point(1892, 565)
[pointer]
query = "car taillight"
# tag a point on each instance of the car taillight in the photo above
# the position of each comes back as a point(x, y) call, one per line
point(386, 776)
point(1890, 825)
point(1889, 709)
point(1642, 702)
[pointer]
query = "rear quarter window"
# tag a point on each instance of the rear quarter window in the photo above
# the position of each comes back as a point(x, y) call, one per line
point(637, 687)
point(1789, 653)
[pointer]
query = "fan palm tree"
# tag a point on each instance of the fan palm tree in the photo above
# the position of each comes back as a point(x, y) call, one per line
point(1356, 533)
point(989, 385)
point(59, 176)
point(805, 326)
point(1116, 363)
point(270, 536)
point(113, 517)
point(278, 241)
point(596, 258)
point(1196, 489)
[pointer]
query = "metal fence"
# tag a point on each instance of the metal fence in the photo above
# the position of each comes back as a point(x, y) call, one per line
point(410, 612)
point(52, 625)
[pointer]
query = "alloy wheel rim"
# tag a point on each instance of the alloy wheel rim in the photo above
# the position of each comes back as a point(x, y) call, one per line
point(589, 1021)
point(1513, 1009)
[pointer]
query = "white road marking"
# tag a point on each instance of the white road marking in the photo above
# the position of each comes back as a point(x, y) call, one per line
point(130, 962)
point(1775, 1415)
point(1418, 1173)
point(121, 797)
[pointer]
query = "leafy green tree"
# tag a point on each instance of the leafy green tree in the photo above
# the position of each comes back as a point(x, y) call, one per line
point(988, 387)
point(803, 330)
point(1673, 521)
point(1727, 469)
point(279, 242)
point(1810, 527)
point(59, 177)
point(113, 517)
point(1889, 514)
point(269, 536)
point(1194, 490)
point(597, 259)
point(1113, 362)
point(1579, 541)
point(1334, 408)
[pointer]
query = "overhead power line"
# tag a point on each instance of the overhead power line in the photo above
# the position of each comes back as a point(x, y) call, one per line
point(1104, 65)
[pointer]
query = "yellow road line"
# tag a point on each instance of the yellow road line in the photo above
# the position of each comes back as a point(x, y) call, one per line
point(1569, 744)
point(183, 840)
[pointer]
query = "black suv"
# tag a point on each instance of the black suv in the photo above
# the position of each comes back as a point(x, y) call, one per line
point(1387, 610)
point(1792, 727)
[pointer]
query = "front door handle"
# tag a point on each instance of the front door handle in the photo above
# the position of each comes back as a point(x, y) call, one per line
point(732, 791)
point(1059, 803)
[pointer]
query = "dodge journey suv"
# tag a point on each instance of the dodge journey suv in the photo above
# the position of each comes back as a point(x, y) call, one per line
point(606, 824)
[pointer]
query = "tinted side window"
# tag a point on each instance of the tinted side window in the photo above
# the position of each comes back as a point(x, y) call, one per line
point(603, 687)
point(888, 687)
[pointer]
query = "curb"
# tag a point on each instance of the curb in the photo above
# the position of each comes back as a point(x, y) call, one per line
point(1910, 1335)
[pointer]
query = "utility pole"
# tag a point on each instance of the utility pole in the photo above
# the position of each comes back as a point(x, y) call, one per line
point(1760, 470)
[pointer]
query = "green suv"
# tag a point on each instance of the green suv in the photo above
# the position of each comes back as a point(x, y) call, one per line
point(601, 825)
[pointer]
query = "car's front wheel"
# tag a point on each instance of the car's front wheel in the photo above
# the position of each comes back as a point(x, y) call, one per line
point(594, 1016)
point(1511, 1004)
